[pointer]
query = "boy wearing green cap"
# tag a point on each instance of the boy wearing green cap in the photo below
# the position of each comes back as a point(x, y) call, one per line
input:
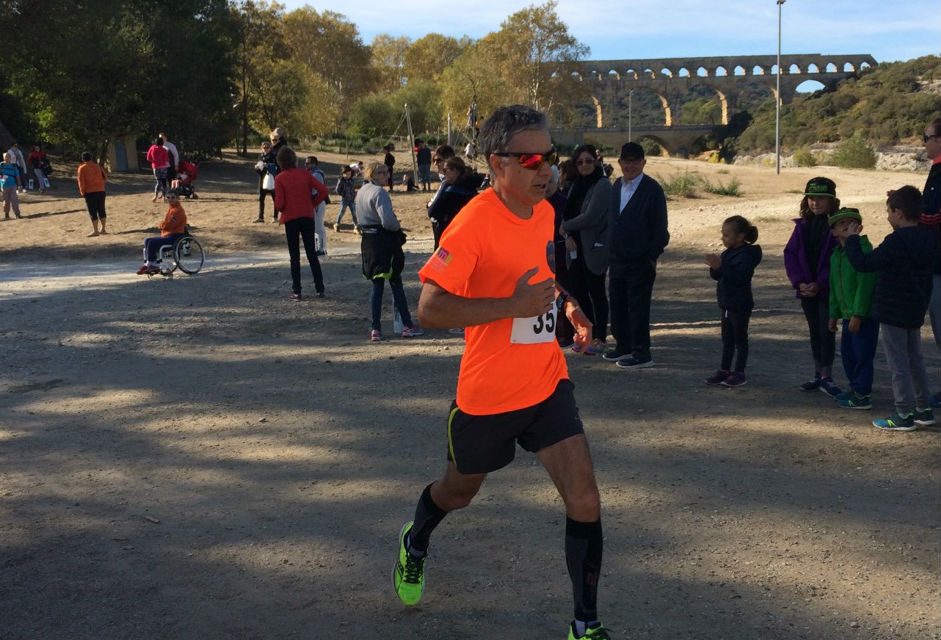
point(850, 300)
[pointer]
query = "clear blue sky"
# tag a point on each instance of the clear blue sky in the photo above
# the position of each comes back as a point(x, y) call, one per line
point(657, 28)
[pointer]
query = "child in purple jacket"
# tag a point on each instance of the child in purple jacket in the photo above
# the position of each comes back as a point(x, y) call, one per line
point(807, 262)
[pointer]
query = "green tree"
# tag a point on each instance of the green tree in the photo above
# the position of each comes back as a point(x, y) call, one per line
point(536, 55)
point(332, 48)
point(470, 79)
point(388, 61)
point(430, 55)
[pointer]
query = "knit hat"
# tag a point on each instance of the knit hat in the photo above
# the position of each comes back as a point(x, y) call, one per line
point(846, 213)
point(820, 188)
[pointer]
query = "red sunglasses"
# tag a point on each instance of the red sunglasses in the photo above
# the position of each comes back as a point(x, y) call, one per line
point(531, 161)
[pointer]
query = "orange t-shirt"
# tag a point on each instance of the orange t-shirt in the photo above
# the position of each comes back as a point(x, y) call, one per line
point(512, 363)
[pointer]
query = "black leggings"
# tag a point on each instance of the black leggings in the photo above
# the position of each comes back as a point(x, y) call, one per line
point(589, 289)
point(735, 339)
point(296, 230)
point(261, 203)
point(822, 340)
point(95, 201)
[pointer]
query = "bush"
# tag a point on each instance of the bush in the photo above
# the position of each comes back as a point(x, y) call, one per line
point(650, 147)
point(855, 153)
point(732, 188)
point(804, 157)
point(682, 185)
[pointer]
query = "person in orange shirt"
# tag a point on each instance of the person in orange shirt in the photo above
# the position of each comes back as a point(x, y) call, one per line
point(172, 227)
point(493, 273)
point(91, 185)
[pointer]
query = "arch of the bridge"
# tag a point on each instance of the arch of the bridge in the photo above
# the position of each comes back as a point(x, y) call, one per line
point(608, 78)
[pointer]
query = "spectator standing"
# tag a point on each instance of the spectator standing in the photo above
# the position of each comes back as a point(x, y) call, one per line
point(91, 185)
point(733, 271)
point(11, 177)
point(296, 196)
point(381, 245)
point(851, 300)
point(807, 263)
point(20, 162)
point(905, 262)
point(457, 189)
point(585, 227)
point(637, 236)
point(38, 160)
point(564, 331)
point(423, 159)
point(174, 167)
point(159, 159)
point(266, 168)
point(931, 217)
point(389, 161)
point(313, 166)
point(347, 192)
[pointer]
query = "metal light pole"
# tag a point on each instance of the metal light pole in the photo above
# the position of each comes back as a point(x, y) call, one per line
point(630, 114)
point(777, 99)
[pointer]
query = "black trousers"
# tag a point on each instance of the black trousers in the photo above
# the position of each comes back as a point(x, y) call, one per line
point(630, 287)
point(297, 230)
point(262, 194)
point(822, 340)
point(735, 339)
point(588, 289)
point(95, 201)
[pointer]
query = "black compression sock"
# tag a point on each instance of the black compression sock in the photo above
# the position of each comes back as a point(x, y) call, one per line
point(427, 516)
point(583, 550)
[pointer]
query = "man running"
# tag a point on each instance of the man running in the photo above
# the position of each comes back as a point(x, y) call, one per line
point(493, 275)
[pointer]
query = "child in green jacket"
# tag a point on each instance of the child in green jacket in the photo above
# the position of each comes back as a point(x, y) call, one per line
point(850, 299)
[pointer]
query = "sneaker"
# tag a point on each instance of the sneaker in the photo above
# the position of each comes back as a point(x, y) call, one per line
point(631, 362)
point(810, 385)
point(613, 355)
point(412, 332)
point(935, 399)
point(577, 348)
point(143, 269)
point(735, 379)
point(718, 377)
point(336, 227)
point(321, 294)
point(296, 297)
point(829, 387)
point(408, 574)
point(852, 400)
point(895, 422)
point(924, 417)
point(456, 331)
point(258, 220)
point(595, 632)
point(595, 347)
point(375, 336)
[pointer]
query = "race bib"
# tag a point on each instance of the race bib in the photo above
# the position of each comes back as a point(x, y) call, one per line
point(535, 330)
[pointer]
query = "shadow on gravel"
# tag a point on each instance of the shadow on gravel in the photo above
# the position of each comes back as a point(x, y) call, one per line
point(202, 458)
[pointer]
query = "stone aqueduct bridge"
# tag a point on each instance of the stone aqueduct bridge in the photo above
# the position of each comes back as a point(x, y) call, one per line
point(612, 81)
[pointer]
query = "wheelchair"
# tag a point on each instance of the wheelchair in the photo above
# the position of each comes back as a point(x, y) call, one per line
point(185, 253)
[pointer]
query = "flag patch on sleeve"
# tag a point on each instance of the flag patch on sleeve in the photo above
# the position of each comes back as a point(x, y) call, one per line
point(442, 257)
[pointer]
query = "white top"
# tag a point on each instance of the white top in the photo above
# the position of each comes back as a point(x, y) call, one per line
point(628, 188)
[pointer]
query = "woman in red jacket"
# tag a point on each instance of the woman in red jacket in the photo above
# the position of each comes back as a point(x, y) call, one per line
point(159, 159)
point(296, 195)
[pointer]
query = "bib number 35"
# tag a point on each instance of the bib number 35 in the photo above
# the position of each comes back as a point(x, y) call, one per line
point(534, 330)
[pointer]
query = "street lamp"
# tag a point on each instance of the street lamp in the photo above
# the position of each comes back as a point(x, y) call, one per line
point(630, 114)
point(777, 99)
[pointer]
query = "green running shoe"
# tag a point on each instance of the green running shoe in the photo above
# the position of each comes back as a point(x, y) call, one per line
point(896, 422)
point(408, 574)
point(596, 632)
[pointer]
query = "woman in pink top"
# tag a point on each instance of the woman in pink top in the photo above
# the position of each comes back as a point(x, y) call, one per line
point(296, 195)
point(159, 159)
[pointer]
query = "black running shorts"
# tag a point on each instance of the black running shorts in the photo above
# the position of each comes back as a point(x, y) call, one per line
point(481, 444)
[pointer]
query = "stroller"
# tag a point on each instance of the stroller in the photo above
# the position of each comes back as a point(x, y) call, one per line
point(186, 176)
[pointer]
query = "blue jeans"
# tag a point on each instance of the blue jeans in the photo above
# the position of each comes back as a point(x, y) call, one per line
point(160, 182)
point(344, 205)
point(858, 351)
point(398, 295)
point(153, 244)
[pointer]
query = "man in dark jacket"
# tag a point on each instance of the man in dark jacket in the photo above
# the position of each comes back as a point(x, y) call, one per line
point(931, 217)
point(637, 235)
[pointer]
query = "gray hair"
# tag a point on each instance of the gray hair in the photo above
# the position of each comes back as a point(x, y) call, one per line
point(505, 123)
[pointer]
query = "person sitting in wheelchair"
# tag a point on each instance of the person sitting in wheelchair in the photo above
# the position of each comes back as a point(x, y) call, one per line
point(172, 227)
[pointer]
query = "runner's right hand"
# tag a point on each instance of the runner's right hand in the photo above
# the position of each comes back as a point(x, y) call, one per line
point(532, 299)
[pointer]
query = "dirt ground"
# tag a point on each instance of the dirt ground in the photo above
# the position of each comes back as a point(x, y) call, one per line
point(203, 458)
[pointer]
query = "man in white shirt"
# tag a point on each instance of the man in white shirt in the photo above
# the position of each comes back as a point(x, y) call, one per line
point(174, 157)
point(637, 228)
